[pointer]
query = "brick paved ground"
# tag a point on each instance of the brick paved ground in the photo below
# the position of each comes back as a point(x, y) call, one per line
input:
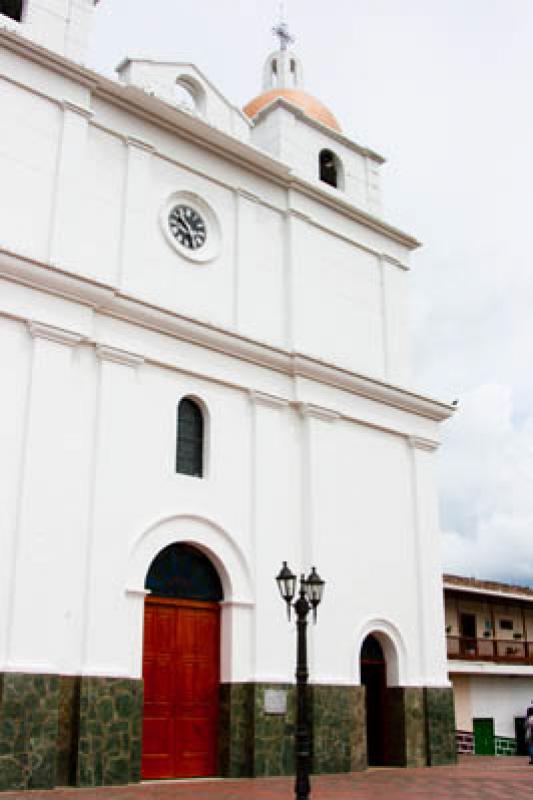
point(474, 778)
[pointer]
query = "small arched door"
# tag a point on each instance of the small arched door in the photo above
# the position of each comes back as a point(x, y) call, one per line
point(181, 671)
point(374, 679)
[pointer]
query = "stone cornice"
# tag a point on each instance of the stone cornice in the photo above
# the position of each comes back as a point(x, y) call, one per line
point(108, 301)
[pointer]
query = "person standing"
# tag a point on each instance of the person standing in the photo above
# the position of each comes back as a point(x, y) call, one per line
point(528, 730)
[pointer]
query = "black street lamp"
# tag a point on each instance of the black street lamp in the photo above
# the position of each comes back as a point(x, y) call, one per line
point(309, 597)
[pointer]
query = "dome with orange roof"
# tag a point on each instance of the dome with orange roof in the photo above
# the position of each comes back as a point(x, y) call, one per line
point(312, 107)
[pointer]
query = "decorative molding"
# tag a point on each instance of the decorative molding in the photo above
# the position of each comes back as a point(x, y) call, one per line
point(295, 212)
point(372, 388)
point(237, 604)
point(46, 276)
point(317, 412)
point(105, 353)
point(108, 301)
point(40, 331)
point(138, 592)
point(268, 400)
point(385, 258)
point(419, 443)
point(354, 213)
point(132, 141)
point(83, 111)
point(253, 198)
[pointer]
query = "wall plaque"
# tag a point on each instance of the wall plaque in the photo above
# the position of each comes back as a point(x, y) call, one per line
point(275, 701)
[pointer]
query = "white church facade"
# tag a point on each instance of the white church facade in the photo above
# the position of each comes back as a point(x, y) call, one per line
point(204, 361)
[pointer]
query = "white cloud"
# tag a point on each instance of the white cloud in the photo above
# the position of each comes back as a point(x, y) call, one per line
point(487, 489)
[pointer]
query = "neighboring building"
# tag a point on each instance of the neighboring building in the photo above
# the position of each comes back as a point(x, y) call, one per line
point(489, 631)
point(205, 370)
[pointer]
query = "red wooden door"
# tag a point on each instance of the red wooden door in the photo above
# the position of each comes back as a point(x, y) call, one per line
point(181, 684)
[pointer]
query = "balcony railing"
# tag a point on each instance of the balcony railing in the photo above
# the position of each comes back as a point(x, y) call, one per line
point(505, 651)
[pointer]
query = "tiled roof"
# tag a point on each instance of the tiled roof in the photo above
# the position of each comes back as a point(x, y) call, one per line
point(489, 586)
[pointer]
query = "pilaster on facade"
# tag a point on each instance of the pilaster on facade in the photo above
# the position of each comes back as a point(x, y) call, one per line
point(136, 172)
point(427, 556)
point(71, 153)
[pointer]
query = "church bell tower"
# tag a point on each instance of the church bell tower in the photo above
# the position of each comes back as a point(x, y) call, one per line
point(60, 25)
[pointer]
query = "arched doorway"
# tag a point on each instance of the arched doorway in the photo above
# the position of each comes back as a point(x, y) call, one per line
point(181, 665)
point(374, 679)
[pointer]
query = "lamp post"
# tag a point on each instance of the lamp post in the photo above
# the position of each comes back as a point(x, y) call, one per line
point(309, 597)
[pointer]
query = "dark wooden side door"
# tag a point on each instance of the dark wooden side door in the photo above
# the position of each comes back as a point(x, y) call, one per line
point(373, 678)
point(181, 684)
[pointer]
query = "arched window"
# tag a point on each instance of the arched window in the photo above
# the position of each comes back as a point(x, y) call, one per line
point(190, 439)
point(11, 8)
point(182, 572)
point(330, 169)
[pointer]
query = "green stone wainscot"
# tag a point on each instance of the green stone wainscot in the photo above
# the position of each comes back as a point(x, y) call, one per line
point(87, 731)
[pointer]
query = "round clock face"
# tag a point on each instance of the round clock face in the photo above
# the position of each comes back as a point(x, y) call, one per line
point(187, 227)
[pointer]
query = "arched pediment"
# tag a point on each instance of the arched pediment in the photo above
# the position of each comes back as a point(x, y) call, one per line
point(392, 645)
point(206, 536)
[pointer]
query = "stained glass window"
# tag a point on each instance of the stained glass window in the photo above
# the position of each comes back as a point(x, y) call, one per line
point(183, 572)
point(190, 439)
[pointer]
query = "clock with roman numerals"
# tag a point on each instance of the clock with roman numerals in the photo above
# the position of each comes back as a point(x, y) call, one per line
point(188, 227)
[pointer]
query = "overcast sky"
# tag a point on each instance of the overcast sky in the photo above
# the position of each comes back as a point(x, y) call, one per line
point(444, 91)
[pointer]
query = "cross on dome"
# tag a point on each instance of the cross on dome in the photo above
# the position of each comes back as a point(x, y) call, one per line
point(283, 79)
point(281, 30)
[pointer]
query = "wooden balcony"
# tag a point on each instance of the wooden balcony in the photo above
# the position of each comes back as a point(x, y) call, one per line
point(500, 651)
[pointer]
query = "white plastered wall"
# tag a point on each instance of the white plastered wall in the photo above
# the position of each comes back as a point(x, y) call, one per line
point(288, 271)
point(95, 495)
point(500, 697)
point(97, 362)
point(462, 702)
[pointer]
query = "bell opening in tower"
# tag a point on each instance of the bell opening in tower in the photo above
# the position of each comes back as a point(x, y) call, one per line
point(12, 9)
